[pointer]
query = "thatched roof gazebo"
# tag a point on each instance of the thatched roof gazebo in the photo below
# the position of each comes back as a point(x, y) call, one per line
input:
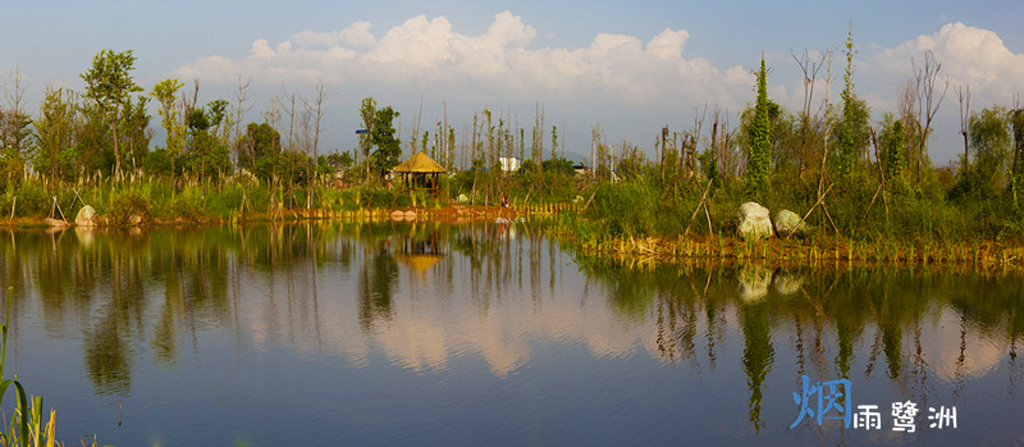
point(420, 172)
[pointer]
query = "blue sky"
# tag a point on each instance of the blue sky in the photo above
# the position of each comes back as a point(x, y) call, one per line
point(631, 67)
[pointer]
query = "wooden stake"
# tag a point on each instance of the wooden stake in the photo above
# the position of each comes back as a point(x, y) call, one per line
point(58, 209)
point(695, 211)
point(820, 201)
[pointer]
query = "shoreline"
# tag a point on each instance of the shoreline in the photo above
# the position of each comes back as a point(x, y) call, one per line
point(979, 255)
point(822, 251)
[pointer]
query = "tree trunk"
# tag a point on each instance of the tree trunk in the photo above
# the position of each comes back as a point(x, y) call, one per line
point(117, 154)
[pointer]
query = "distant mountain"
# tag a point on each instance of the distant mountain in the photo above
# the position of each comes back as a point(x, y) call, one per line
point(577, 158)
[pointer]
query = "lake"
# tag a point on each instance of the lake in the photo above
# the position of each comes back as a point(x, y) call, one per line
point(436, 334)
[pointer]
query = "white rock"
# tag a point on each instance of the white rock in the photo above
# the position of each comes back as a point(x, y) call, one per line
point(755, 222)
point(86, 217)
point(786, 222)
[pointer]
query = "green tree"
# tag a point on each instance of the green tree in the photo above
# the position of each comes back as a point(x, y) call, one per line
point(1017, 167)
point(990, 141)
point(845, 141)
point(135, 133)
point(93, 141)
point(207, 154)
point(894, 153)
point(55, 132)
point(109, 83)
point(367, 114)
point(337, 162)
point(166, 93)
point(260, 144)
point(382, 135)
point(15, 130)
point(759, 148)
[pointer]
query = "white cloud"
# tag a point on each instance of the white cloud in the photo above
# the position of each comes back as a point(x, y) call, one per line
point(358, 35)
point(617, 73)
point(503, 60)
point(969, 56)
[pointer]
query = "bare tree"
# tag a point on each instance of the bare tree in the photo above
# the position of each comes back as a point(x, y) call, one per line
point(963, 95)
point(291, 118)
point(927, 106)
point(690, 144)
point(824, 151)
point(242, 96)
point(322, 96)
point(810, 67)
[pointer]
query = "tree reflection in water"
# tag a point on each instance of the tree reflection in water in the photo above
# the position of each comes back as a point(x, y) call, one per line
point(423, 293)
point(834, 319)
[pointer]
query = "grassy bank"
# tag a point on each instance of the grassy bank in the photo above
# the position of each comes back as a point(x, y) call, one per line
point(646, 221)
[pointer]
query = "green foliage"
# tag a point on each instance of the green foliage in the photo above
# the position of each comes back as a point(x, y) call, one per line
point(759, 151)
point(166, 93)
point(338, 162)
point(558, 166)
point(159, 162)
point(32, 200)
point(374, 197)
point(990, 141)
point(367, 115)
point(109, 84)
point(16, 131)
point(136, 133)
point(708, 159)
point(55, 135)
point(128, 207)
point(24, 415)
point(11, 167)
point(382, 136)
point(894, 153)
point(631, 164)
point(625, 209)
point(294, 167)
point(109, 81)
point(845, 141)
point(1017, 165)
point(260, 143)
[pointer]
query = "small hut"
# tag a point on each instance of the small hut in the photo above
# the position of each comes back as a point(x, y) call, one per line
point(420, 172)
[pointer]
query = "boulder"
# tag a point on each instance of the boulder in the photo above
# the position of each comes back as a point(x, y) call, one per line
point(787, 222)
point(755, 222)
point(86, 217)
point(463, 198)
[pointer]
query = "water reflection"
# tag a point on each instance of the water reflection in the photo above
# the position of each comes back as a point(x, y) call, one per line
point(930, 330)
point(424, 294)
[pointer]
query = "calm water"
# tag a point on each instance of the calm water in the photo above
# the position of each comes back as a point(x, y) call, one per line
point(427, 334)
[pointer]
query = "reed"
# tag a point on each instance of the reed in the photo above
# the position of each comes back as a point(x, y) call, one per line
point(26, 426)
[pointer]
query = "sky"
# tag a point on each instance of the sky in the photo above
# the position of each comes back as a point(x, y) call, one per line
point(629, 67)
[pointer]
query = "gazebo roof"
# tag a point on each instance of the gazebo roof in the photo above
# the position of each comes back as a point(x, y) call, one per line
point(419, 163)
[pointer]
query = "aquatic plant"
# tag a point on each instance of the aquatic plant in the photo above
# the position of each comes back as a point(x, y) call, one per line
point(26, 426)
